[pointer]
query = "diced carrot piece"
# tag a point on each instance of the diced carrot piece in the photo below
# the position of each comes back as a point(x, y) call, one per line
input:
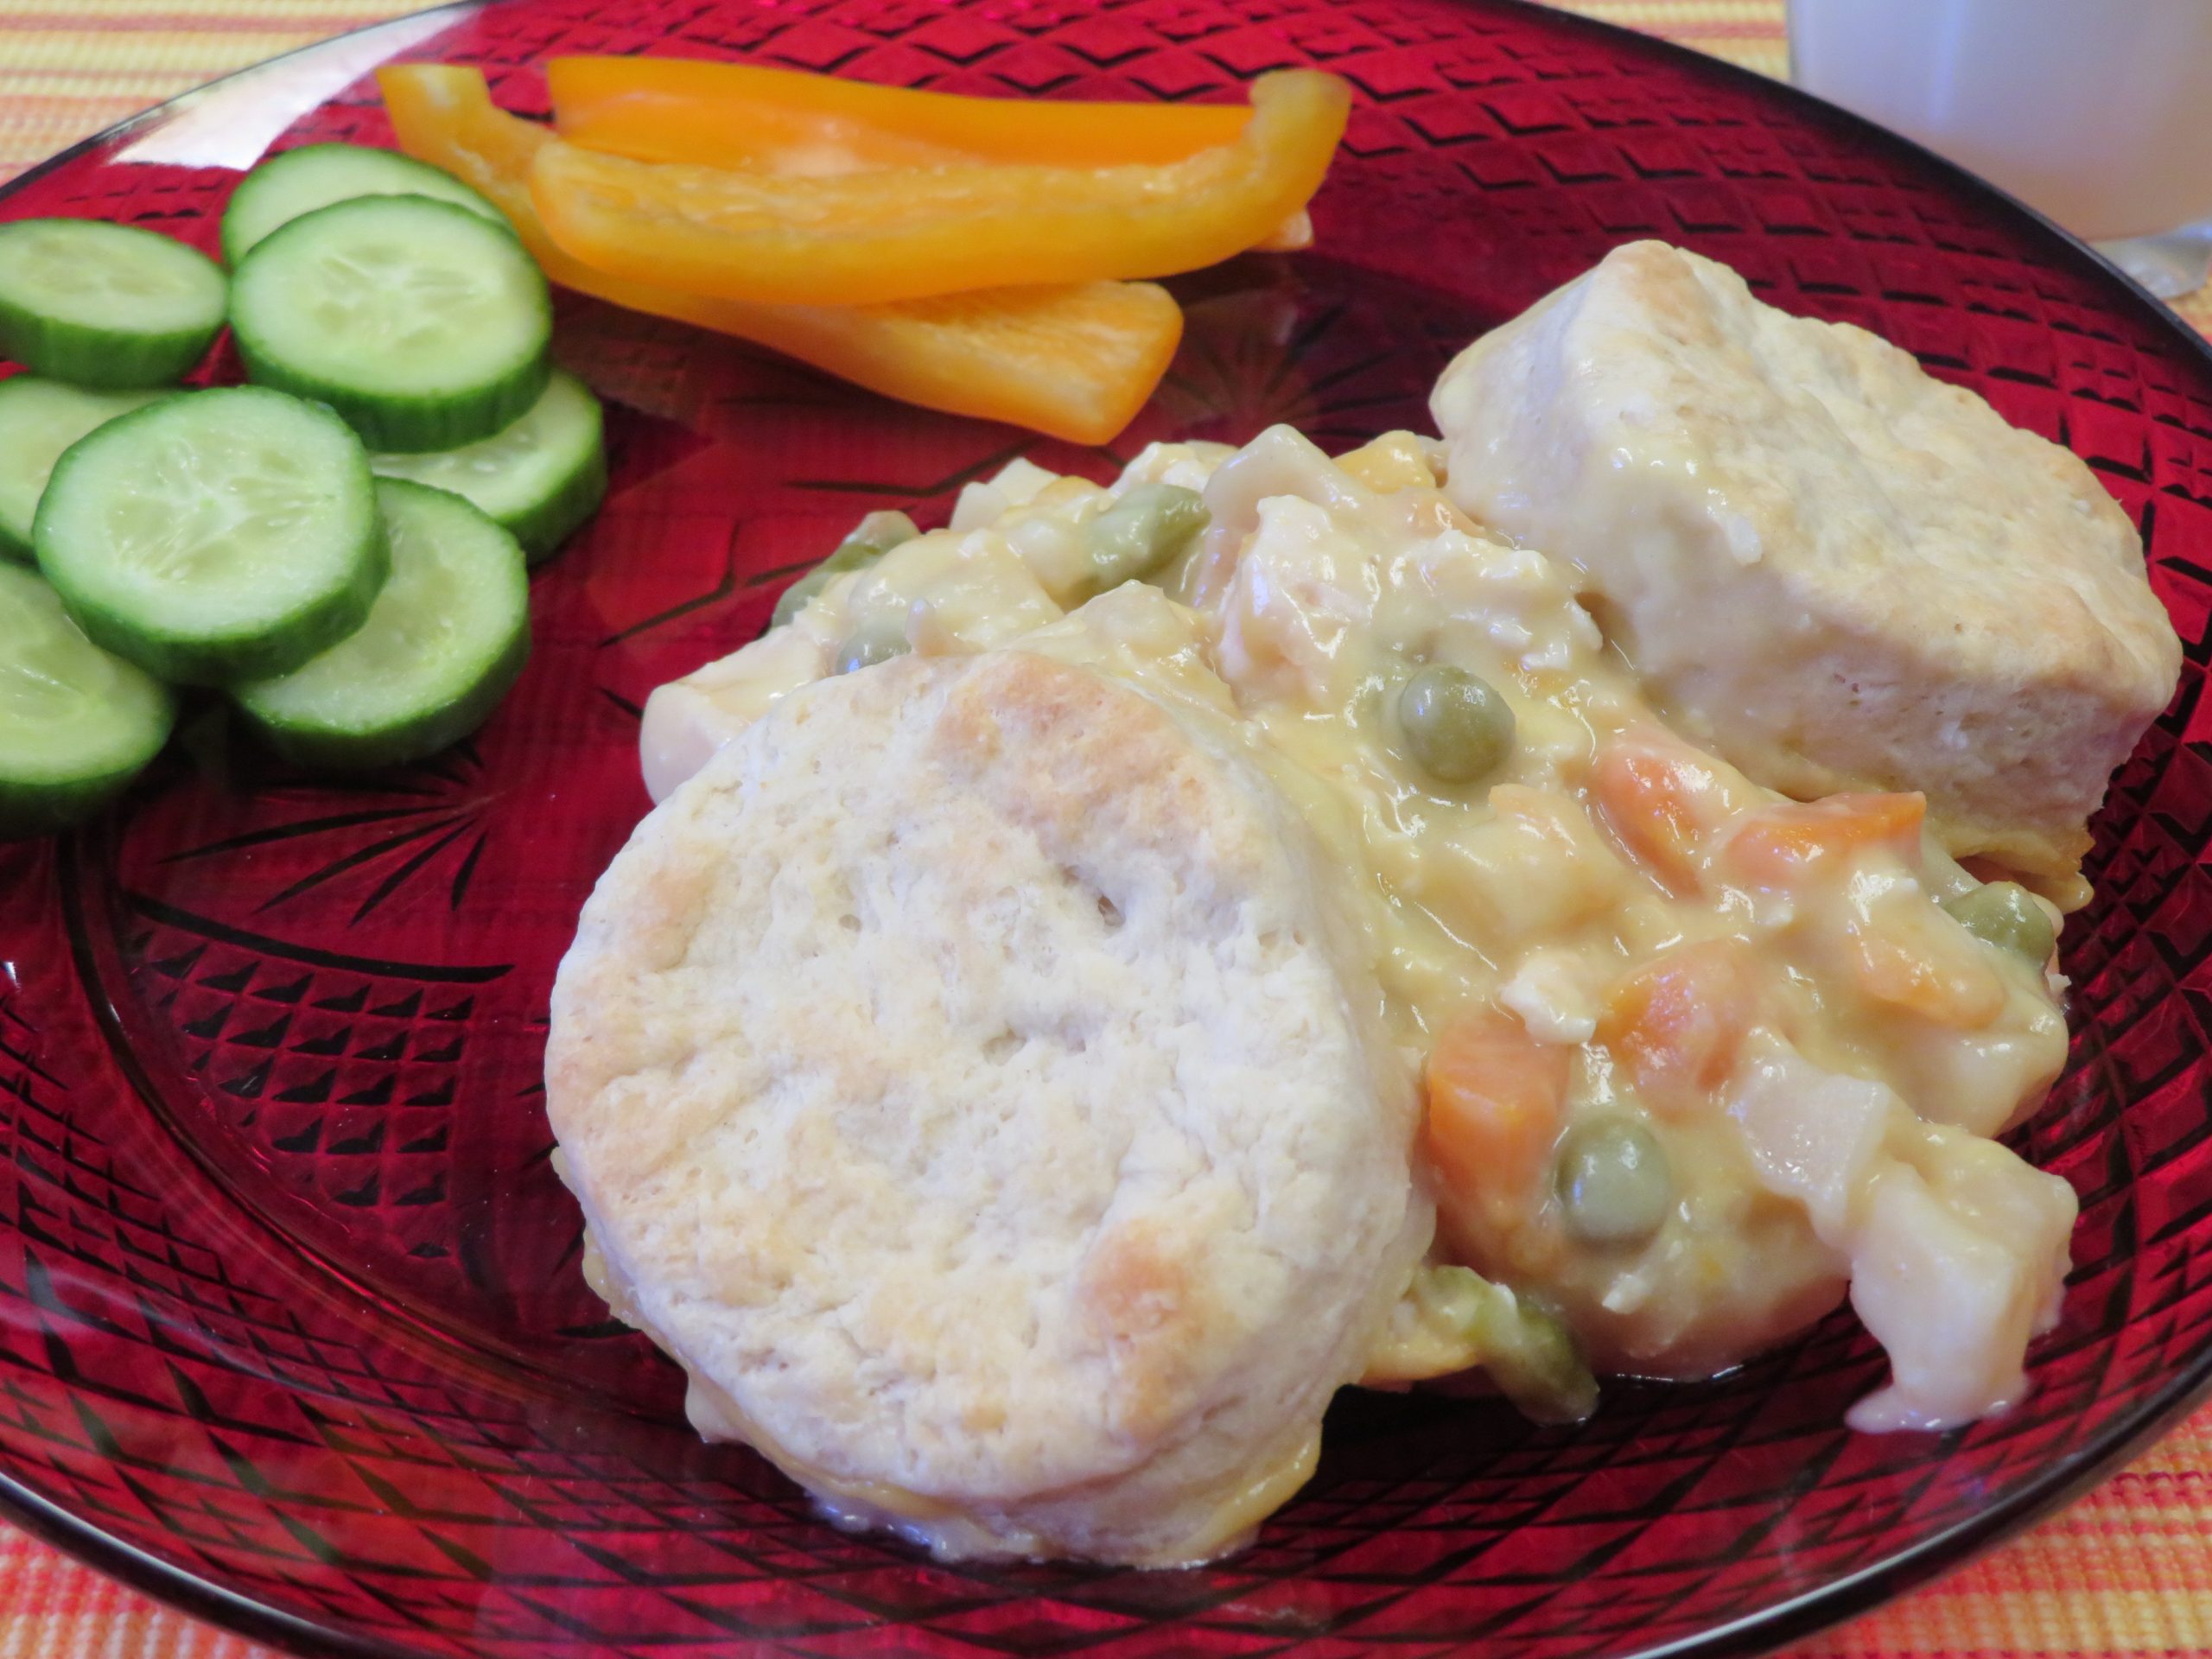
point(1077, 362)
point(1497, 1104)
point(751, 115)
point(1917, 970)
point(867, 237)
point(1778, 845)
point(1676, 1025)
point(1660, 802)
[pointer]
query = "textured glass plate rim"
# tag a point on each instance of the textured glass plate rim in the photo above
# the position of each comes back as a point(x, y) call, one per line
point(1800, 1615)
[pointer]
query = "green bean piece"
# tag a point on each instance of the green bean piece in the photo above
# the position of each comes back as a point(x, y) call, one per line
point(1456, 726)
point(1149, 526)
point(1613, 1178)
point(1525, 1348)
point(871, 538)
point(2006, 915)
point(876, 640)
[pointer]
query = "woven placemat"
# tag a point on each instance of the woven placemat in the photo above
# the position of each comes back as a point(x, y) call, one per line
point(2127, 1570)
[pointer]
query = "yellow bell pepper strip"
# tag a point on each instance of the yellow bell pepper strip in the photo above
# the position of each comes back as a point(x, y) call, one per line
point(1074, 362)
point(753, 118)
point(867, 238)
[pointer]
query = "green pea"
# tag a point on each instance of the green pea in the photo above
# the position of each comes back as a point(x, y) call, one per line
point(2006, 914)
point(1456, 726)
point(876, 640)
point(1613, 1178)
point(872, 538)
point(1149, 526)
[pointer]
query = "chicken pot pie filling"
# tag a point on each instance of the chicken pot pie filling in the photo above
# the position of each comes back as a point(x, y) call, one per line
point(1698, 1061)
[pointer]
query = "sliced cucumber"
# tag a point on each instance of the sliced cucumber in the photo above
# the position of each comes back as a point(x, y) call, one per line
point(39, 419)
point(214, 535)
point(300, 181)
point(76, 722)
point(442, 645)
point(540, 478)
point(424, 325)
point(105, 305)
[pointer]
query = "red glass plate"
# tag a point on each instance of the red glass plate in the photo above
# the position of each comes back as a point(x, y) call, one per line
point(291, 1328)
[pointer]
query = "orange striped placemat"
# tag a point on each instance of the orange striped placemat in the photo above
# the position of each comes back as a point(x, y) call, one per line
point(2125, 1571)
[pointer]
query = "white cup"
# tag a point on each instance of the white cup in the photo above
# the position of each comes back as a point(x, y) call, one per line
point(2098, 113)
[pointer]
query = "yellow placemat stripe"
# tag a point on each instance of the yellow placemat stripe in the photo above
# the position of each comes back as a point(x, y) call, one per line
point(171, 54)
point(1748, 32)
point(51, 1608)
point(70, 67)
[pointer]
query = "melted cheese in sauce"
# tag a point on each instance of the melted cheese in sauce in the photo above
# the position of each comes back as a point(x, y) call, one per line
point(1771, 993)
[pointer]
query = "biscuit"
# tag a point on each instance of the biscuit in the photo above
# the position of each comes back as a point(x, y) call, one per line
point(965, 1077)
point(1832, 569)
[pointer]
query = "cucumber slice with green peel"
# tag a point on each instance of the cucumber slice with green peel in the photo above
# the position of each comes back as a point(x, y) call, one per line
point(316, 175)
point(214, 535)
point(77, 723)
point(424, 325)
point(443, 643)
point(105, 305)
point(540, 478)
point(39, 419)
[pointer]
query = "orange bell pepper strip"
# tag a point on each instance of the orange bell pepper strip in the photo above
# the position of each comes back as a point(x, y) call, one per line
point(754, 118)
point(1076, 362)
point(868, 238)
